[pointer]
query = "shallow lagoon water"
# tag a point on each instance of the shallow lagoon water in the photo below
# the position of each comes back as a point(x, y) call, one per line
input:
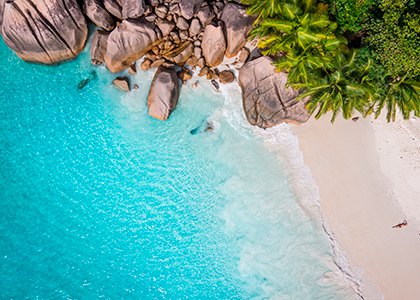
point(98, 200)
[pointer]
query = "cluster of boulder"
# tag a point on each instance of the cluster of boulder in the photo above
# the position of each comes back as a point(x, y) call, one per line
point(169, 33)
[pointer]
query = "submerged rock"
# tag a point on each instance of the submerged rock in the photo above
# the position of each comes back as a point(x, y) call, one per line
point(215, 84)
point(164, 93)
point(45, 32)
point(128, 42)
point(85, 81)
point(266, 100)
point(205, 126)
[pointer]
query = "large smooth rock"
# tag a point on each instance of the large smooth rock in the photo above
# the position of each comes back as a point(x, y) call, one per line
point(238, 24)
point(98, 49)
point(113, 7)
point(164, 93)
point(266, 101)
point(47, 31)
point(189, 7)
point(98, 14)
point(128, 42)
point(213, 44)
point(132, 8)
point(2, 3)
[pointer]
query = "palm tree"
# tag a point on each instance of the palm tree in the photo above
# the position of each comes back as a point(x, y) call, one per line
point(292, 27)
point(403, 93)
point(304, 36)
point(345, 87)
point(263, 8)
point(317, 60)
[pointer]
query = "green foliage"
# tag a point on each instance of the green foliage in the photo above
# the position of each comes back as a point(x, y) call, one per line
point(403, 93)
point(395, 38)
point(303, 35)
point(314, 57)
point(319, 63)
point(350, 15)
point(345, 87)
point(263, 8)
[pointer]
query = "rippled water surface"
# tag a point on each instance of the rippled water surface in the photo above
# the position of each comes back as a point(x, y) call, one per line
point(98, 200)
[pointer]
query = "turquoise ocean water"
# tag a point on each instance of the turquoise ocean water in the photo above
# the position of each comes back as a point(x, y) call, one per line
point(98, 200)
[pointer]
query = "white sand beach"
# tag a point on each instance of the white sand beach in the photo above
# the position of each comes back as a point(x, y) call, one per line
point(368, 173)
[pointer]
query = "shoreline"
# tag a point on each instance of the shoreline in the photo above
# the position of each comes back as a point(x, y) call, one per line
point(363, 193)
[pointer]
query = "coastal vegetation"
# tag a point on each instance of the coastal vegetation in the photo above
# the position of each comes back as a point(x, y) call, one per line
point(348, 55)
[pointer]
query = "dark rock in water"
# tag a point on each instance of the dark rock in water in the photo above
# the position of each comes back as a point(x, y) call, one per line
point(45, 32)
point(122, 83)
point(205, 126)
point(226, 77)
point(164, 93)
point(98, 49)
point(238, 24)
point(215, 84)
point(93, 74)
point(266, 100)
point(184, 74)
point(85, 81)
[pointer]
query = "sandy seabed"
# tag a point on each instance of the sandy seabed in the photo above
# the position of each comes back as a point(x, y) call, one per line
point(368, 173)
